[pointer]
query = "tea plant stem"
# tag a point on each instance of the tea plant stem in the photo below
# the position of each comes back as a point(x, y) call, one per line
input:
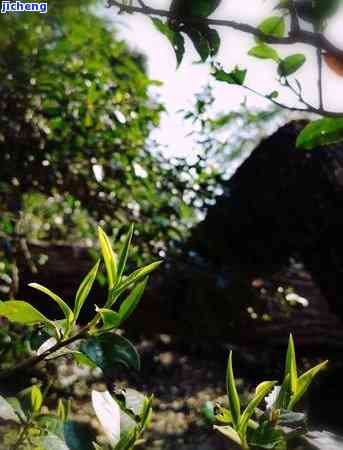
point(31, 362)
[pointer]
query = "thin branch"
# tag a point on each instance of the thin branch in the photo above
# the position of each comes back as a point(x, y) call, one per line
point(31, 362)
point(314, 39)
point(309, 108)
point(295, 26)
point(320, 78)
point(275, 102)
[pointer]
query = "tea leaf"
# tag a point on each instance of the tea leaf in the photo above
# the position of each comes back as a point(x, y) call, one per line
point(107, 351)
point(22, 312)
point(261, 391)
point(132, 300)
point(84, 290)
point(304, 382)
point(68, 313)
point(109, 258)
point(124, 252)
point(291, 365)
point(235, 406)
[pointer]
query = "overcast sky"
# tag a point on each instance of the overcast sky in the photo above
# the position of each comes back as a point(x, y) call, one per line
point(179, 86)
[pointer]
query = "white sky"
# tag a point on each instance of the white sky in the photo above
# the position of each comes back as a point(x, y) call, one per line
point(179, 86)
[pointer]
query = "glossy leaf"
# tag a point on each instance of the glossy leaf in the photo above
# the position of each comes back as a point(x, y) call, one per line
point(109, 258)
point(321, 132)
point(235, 406)
point(84, 290)
point(108, 413)
point(109, 350)
point(78, 436)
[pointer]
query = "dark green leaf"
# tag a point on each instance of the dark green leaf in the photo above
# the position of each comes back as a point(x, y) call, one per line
point(213, 40)
point(110, 319)
point(203, 8)
point(109, 350)
point(175, 38)
point(199, 41)
point(78, 436)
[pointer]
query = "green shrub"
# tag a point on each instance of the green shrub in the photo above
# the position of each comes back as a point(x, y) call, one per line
point(123, 417)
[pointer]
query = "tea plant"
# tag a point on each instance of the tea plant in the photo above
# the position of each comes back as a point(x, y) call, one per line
point(124, 415)
point(278, 423)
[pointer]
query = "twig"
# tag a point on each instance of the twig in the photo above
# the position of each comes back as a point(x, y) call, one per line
point(300, 36)
point(320, 78)
point(295, 26)
point(309, 108)
point(31, 362)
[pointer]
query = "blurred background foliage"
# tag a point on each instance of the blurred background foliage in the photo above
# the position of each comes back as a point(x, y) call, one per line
point(76, 114)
